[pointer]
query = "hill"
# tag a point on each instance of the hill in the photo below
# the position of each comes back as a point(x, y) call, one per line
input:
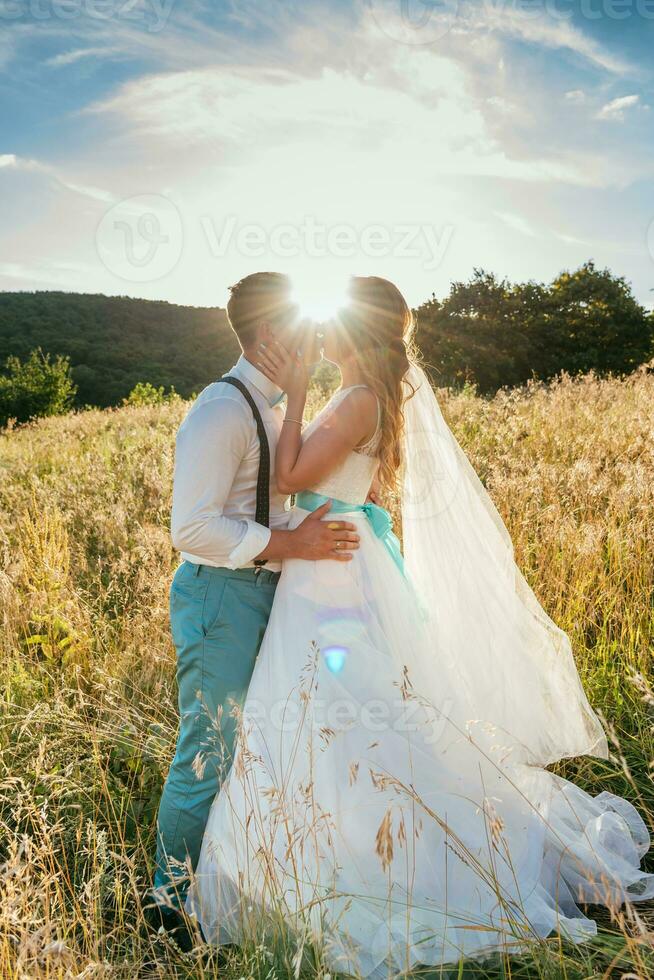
point(487, 331)
point(115, 341)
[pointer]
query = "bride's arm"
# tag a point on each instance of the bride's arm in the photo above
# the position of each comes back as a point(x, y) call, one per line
point(301, 464)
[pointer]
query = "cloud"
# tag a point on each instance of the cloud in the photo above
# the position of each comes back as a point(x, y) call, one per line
point(503, 105)
point(71, 57)
point(544, 30)
point(39, 275)
point(15, 162)
point(273, 114)
point(418, 108)
point(516, 222)
point(614, 110)
point(145, 33)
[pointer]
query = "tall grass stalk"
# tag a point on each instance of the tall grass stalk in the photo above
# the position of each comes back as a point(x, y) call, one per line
point(87, 666)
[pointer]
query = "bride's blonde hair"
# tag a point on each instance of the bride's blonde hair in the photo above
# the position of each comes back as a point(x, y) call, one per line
point(377, 326)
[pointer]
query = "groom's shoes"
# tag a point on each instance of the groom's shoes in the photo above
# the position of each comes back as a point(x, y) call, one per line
point(185, 934)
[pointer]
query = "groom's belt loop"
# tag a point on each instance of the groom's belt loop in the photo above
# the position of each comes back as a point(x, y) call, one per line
point(262, 515)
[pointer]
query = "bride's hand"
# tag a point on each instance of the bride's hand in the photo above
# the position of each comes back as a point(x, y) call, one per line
point(289, 372)
point(374, 494)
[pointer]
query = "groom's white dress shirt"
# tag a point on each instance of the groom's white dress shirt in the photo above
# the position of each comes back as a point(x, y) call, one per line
point(216, 470)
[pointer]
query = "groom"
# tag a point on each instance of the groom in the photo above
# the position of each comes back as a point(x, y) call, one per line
point(230, 523)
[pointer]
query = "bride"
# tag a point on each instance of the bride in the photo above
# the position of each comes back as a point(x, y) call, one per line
point(389, 797)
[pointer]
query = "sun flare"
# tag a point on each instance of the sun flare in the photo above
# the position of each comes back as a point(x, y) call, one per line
point(320, 298)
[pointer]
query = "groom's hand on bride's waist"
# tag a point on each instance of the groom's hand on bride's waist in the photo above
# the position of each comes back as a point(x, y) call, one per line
point(315, 539)
point(318, 539)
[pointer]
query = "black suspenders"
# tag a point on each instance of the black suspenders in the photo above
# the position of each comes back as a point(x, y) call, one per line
point(262, 515)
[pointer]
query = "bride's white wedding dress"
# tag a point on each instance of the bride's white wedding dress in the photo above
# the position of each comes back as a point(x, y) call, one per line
point(389, 794)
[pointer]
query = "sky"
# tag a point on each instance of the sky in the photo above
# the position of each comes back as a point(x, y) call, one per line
point(164, 149)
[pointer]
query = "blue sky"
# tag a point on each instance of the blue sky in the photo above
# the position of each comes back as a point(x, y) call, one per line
point(163, 149)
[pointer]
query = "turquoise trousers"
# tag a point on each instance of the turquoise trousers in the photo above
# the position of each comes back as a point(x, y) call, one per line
point(218, 618)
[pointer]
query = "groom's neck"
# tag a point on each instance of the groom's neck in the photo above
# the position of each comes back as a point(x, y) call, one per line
point(252, 361)
point(249, 353)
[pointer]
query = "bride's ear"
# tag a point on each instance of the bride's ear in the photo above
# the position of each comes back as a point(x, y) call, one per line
point(264, 333)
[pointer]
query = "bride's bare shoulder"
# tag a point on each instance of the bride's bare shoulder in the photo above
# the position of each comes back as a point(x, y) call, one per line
point(358, 408)
point(351, 411)
point(358, 401)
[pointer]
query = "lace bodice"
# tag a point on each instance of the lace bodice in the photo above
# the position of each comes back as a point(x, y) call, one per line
point(351, 481)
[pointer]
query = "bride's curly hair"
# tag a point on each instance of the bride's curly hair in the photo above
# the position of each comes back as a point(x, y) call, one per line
point(378, 325)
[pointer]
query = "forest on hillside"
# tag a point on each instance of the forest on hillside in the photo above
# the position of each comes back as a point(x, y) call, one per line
point(487, 332)
point(113, 342)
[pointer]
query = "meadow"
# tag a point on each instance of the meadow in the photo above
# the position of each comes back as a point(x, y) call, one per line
point(88, 715)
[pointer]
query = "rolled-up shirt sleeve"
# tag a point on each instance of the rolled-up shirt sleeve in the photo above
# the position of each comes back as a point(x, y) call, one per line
point(252, 543)
point(211, 444)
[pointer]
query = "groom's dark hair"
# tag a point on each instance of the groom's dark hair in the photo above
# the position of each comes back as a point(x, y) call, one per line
point(258, 297)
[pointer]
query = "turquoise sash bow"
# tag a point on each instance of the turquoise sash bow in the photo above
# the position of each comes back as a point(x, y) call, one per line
point(379, 518)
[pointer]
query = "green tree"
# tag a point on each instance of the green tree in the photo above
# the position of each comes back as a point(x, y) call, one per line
point(494, 334)
point(145, 393)
point(478, 333)
point(592, 322)
point(35, 387)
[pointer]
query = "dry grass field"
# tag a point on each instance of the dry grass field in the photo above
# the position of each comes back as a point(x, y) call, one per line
point(87, 668)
